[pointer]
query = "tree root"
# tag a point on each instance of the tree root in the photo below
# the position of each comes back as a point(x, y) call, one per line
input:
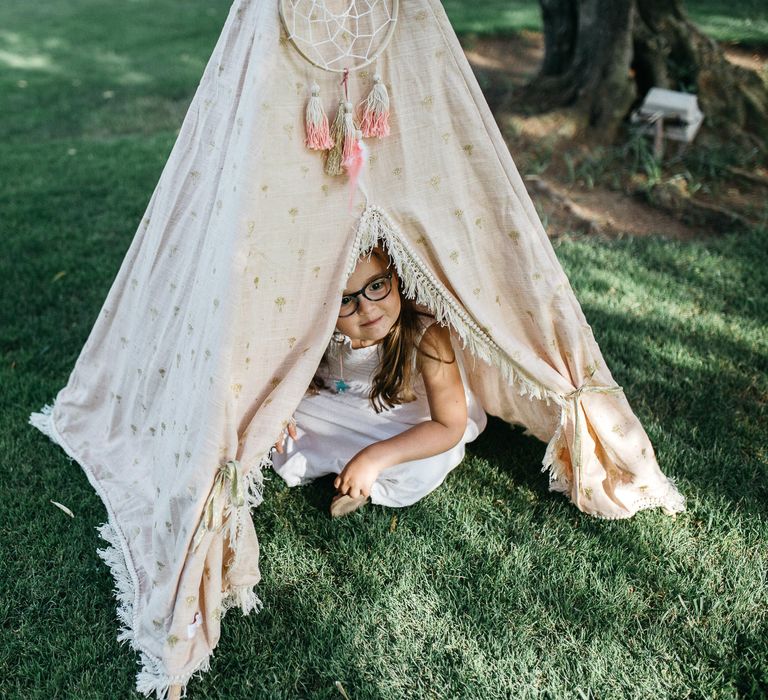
point(750, 177)
point(582, 220)
point(696, 212)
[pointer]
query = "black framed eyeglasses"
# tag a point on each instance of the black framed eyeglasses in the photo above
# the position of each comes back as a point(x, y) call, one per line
point(375, 290)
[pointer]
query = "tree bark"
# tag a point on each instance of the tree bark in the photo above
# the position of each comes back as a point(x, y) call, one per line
point(560, 20)
point(602, 57)
point(670, 51)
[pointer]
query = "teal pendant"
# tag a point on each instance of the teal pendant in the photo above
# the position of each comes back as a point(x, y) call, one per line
point(341, 386)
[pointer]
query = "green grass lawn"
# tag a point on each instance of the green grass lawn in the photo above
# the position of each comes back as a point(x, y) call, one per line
point(745, 21)
point(491, 587)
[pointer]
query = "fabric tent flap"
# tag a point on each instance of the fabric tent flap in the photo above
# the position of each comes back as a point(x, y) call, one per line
point(228, 295)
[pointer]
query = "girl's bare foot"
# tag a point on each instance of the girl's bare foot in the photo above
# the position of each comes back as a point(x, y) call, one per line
point(174, 692)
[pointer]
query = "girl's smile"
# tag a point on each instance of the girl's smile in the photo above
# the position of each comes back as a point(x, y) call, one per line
point(372, 320)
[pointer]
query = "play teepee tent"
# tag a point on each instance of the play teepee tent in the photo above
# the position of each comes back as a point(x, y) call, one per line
point(319, 128)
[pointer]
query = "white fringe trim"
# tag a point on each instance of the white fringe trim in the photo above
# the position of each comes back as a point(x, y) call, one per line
point(153, 678)
point(243, 597)
point(425, 289)
point(671, 501)
point(43, 421)
point(551, 461)
point(254, 489)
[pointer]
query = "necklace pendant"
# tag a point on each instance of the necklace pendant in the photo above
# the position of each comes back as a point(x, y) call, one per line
point(341, 386)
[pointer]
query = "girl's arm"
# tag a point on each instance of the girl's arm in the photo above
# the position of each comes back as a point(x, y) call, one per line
point(448, 411)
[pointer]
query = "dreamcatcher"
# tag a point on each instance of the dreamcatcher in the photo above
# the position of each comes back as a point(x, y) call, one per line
point(343, 36)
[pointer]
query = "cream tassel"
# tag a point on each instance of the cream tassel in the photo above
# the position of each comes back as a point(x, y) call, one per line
point(316, 123)
point(375, 110)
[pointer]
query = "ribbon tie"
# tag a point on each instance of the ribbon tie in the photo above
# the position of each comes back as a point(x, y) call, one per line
point(578, 411)
point(220, 499)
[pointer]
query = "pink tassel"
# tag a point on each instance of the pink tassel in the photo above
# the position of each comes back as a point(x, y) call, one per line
point(354, 163)
point(318, 134)
point(375, 119)
point(349, 132)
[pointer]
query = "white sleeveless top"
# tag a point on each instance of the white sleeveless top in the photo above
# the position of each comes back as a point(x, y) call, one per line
point(359, 367)
point(334, 427)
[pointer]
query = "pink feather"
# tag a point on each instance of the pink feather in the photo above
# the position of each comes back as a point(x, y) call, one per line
point(354, 164)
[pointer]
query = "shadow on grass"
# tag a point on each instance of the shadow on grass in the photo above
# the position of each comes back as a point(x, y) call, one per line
point(73, 69)
point(682, 327)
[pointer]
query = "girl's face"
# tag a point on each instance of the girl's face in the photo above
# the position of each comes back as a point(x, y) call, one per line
point(373, 319)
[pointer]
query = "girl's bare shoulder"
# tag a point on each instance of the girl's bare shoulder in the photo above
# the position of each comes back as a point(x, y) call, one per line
point(435, 345)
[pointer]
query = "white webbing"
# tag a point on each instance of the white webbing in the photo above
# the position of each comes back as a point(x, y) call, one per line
point(351, 38)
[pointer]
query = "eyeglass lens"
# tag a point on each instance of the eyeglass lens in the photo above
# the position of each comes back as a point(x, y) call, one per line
point(375, 290)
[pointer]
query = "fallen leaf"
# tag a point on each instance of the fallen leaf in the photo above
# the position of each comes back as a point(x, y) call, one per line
point(340, 688)
point(64, 508)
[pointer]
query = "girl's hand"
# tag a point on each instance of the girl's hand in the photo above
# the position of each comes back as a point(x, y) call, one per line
point(291, 431)
point(357, 477)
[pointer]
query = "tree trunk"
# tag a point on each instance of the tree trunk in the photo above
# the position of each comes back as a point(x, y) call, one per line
point(670, 51)
point(588, 49)
point(602, 57)
point(560, 20)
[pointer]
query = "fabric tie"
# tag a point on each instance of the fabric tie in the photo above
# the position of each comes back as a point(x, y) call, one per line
point(578, 411)
point(214, 511)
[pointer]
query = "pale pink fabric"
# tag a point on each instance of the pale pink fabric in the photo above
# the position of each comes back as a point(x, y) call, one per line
point(227, 297)
point(332, 427)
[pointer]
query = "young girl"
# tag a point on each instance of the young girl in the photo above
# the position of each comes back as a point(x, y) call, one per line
point(389, 409)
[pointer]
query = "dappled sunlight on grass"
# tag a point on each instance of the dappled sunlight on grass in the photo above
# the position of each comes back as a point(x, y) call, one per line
point(493, 16)
point(746, 21)
point(727, 27)
point(491, 586)
point(689, 317)
point(34, 62)
point(685, 331)
point(85, 69)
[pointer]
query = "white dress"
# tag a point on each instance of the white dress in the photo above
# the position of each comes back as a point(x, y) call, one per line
point(333, 427)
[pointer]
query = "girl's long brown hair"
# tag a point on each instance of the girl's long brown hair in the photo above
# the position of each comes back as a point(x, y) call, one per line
point(393, 381)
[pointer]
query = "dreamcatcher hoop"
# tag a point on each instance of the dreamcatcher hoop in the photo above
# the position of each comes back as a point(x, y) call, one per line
point(336, 42)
